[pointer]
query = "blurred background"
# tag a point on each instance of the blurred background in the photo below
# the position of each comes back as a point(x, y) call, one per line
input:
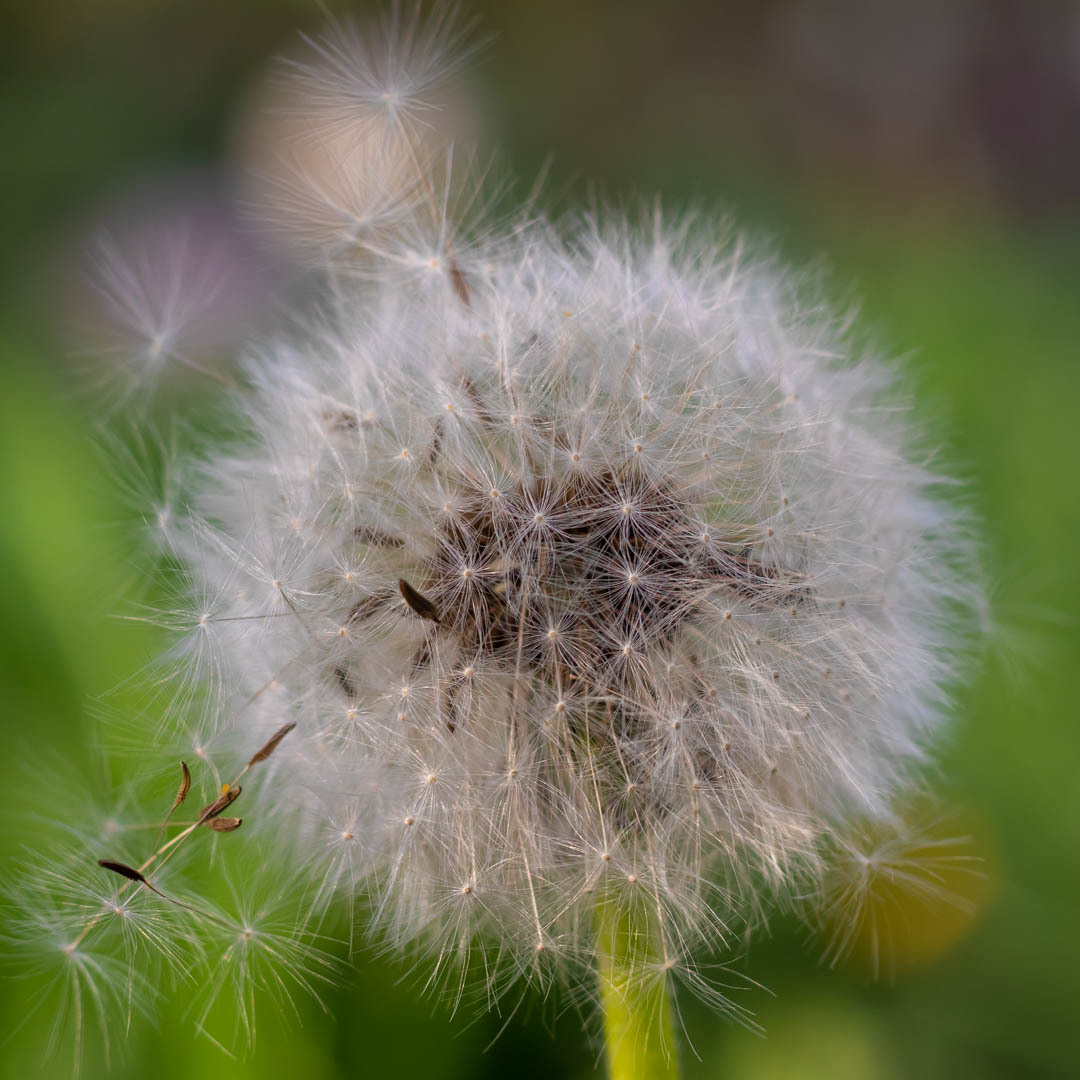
point(926, 153)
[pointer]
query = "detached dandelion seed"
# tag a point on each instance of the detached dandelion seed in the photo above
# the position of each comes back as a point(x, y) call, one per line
point(620, 560)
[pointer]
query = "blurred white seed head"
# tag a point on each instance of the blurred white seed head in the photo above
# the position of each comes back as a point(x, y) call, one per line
point(336, 144)
point(156, 293)
point(885, 881)
point(594, 563)
point(168, 289)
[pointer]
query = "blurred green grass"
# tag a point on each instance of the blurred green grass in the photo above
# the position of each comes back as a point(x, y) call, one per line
point(983, 308)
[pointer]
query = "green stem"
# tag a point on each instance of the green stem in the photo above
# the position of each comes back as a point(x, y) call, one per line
point(639, 1032)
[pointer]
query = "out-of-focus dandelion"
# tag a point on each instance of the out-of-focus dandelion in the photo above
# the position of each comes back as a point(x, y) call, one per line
point(886, 880)
point(169, 289)
point(335, 144)
point(154, 298)
point(596, 578)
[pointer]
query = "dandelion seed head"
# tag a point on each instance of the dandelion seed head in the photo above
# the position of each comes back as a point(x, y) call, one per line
point(666, 630)
point(582, 564)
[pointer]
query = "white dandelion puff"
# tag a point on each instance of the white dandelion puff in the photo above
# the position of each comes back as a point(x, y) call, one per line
point(697, 659)
point(598, 579)
point(158, 294)
point(385, 77)
point(883, 878)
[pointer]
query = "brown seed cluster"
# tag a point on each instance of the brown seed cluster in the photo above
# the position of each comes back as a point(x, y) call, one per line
point(573, 578)
point(567, 574)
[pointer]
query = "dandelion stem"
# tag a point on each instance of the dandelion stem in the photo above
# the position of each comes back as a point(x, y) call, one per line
point(638, 1024)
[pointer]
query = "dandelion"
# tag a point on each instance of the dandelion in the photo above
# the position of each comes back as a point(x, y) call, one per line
point(881, 877)
point(158, 294)
point(583, 584)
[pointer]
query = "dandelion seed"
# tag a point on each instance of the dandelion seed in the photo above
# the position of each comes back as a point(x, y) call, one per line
point(222, 802)
point(271, 745)
point(420, 603)
point(123, 870)
point(220, 824)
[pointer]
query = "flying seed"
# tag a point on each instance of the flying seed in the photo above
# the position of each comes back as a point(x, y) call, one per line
point(181, 795)
point(226, 824)
point(182, 790)
point(271, 744)
point(224, 800)
point(122, 869)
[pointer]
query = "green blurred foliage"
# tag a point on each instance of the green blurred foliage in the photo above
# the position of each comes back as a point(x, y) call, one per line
point(973, 286)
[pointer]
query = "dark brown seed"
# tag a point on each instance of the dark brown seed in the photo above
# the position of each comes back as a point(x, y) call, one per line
point(367, 534)
point(482, 413)
point(226, 824)
point(341, 677)
point(340, 420)
point(421, 658)
point(418, 602)
point(181, 795)
point(459, 281)
point(132, 874)
point(272, 744)
point(122, 869)
point(708, 766)
point(452, 707)
point(436, 444)
point(185, 784)
point(362, 609)
point(224, 800)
